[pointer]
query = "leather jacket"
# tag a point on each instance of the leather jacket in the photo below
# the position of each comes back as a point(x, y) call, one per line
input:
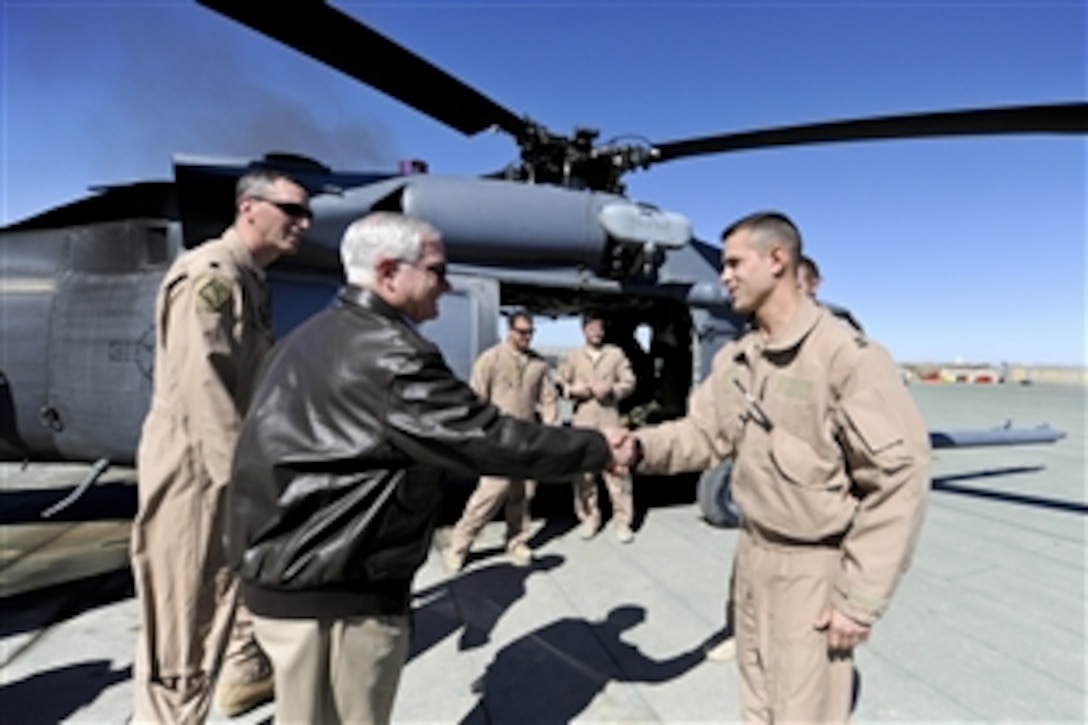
point(337, 475)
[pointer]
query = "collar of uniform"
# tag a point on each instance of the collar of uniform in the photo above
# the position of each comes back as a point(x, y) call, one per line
point(241, 252)
point(802, 322)
point(508, 348)
point(357, 296)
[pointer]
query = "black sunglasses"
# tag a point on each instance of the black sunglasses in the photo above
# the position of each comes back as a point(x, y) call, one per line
point(523, 330)
point(290, 208)
point(438, 269)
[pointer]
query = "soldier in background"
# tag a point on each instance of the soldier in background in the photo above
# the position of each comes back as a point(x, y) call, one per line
point(808, 281)
point(213, 327)
point(518, 382)
point(596, 377)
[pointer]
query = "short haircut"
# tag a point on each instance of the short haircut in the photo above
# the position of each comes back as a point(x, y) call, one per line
point(381, 236)
point(259, 182)
point(810, 265)
point(518, 315)
point(768, 227)
point(592, 316)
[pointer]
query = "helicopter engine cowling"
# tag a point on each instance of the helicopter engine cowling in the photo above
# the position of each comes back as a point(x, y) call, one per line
point(507, 223)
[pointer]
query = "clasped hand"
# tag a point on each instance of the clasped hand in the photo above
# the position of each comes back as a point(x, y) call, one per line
point(624, 450)
point(585, 391)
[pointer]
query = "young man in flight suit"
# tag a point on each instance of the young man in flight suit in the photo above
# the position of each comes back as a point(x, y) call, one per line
point(808, 282)
point(518, 382)
point(212, 329)
point(596, 377)
point(831, 472)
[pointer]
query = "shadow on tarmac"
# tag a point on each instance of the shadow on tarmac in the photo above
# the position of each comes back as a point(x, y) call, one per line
point(42, 608)
point(53, 696)
point(551, 674)
point(945, 485)
point(472, 603)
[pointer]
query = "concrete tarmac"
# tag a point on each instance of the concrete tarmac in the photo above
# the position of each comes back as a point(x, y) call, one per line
point(988, 625)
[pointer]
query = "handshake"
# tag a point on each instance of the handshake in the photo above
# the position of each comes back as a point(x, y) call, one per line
point(626, 450)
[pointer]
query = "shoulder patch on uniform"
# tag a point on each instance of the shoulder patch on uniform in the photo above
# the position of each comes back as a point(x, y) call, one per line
point(212, 292)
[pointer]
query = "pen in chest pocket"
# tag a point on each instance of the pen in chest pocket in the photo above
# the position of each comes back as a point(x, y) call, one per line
point(755, 411)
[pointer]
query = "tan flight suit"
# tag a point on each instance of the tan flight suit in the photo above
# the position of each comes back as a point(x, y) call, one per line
point(607, 365)
point(520, 385)
point(213, 327)
point(831, 472)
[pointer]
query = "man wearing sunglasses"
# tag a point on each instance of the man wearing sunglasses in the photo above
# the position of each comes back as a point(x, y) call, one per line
point(337, 476)
point(517, 380)
point(212, 329)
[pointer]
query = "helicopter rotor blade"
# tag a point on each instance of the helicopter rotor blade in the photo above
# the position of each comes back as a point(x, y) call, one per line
point(1054, 118)
point(338, 40)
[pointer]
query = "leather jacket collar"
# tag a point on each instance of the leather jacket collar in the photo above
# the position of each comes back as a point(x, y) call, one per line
point(366, 299)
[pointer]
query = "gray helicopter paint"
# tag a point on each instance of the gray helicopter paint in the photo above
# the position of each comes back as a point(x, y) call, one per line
point(545, 245)
point(102, 336)
point(481, 221)
point(489, 222)
point(81, 304)
point(465, 326)
point(29, 282)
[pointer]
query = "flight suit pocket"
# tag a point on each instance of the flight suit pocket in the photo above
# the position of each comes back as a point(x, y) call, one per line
point(867, 415)
point(812, 499)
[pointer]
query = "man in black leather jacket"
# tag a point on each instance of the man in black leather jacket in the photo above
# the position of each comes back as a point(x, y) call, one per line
point(337, 475)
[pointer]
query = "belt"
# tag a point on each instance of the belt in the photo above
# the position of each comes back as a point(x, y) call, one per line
point(764, 536)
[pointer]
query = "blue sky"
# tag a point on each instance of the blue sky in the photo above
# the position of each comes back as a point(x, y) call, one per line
point(942, 248)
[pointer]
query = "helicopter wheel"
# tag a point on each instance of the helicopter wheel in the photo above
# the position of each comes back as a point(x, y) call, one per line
point(715, 497)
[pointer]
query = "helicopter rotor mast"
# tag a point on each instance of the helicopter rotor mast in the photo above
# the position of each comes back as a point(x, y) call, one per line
point(338, 40)
point(342, 42)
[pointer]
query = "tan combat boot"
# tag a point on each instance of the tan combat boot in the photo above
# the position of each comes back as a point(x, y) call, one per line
point(244, 686)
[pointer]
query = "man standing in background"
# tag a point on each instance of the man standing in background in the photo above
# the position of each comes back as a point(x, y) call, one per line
point(518, 382)
point(808, 281)
point(596, 377)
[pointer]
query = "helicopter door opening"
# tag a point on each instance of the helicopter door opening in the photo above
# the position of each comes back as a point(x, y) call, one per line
point(465, 326)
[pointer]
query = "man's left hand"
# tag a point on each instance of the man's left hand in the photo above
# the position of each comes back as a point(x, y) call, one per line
point(843, 633)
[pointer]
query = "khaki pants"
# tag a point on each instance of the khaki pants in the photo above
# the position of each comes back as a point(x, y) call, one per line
point(786, 673)
point(335, 671)
point(491, 493)
point(192, 624)
point(586, 505)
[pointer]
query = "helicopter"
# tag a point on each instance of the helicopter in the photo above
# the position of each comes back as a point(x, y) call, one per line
point(553, 232)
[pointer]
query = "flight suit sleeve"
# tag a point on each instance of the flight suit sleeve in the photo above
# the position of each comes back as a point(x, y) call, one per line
point(208, 313)
point(624, 383)
point(565, 374)
point(704, 437)
point(548, 399)
point(481, 375)
point(887, 451)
